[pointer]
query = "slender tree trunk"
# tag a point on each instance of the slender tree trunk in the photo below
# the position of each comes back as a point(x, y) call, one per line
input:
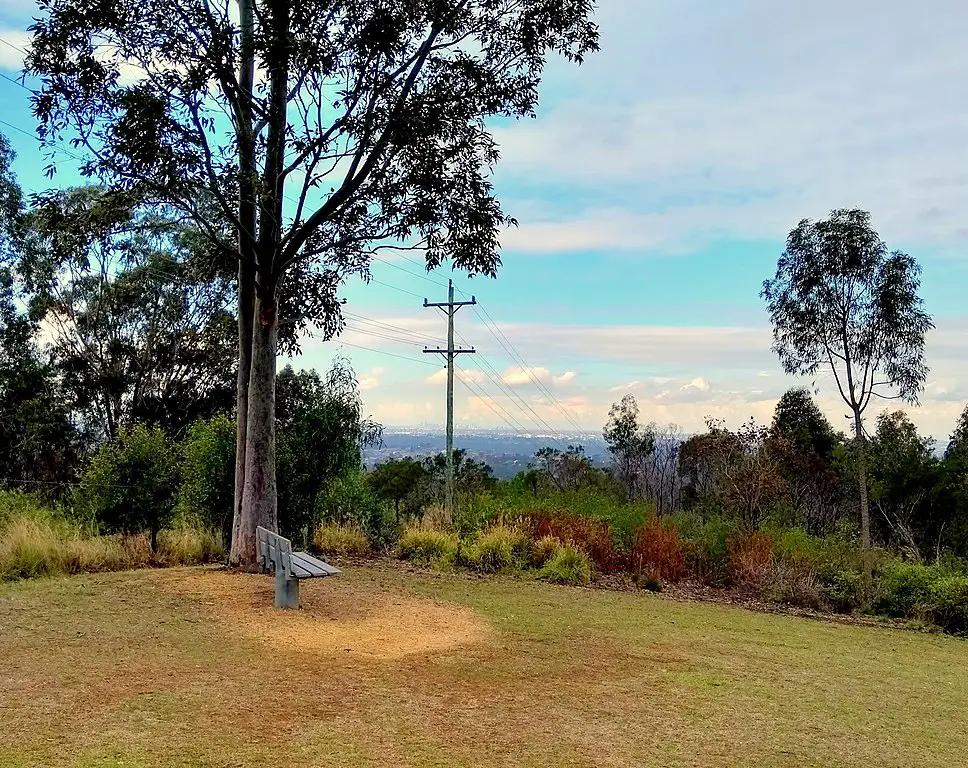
point(865, 513)
point(246, 312)
point(259, 492)
point(246, 244)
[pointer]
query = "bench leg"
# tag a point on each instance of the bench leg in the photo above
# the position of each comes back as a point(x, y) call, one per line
point(287, 591)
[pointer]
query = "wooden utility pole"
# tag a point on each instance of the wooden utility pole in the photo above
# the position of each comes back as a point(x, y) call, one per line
point(450, 307)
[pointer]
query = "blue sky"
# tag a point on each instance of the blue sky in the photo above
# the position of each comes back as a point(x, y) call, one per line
point(654, 192)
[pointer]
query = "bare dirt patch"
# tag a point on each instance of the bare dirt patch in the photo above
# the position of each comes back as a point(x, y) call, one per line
point(334, 617)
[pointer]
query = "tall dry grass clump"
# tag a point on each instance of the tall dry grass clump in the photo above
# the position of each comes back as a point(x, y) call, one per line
point(337, 539)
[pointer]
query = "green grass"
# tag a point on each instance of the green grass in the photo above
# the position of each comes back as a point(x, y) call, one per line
point(192, 667)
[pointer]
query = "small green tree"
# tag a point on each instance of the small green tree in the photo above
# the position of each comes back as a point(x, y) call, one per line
point(322, 431)
point(842, 302)
point(955, 486)
point(904, 474)
point(207, 473)
point(130, 484)
point(803, 442)
point(396, 480)
point(629, 443)
point(348, 499)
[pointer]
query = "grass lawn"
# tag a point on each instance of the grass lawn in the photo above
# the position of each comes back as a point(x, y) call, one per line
point(192, 667)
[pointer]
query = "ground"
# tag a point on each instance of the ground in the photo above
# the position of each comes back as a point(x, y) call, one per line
point(193, 667)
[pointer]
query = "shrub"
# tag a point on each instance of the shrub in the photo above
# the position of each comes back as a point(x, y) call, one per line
point(750, 559)
point(704, 546)
point(426, 545)
point(843, 590)
point(949, 604)
point(208, 474)
point(544, 549)
point(349, 500)
point(497, 548)
point(905, 588)
point(794, 584)
point(17, 505)
point(189, 545)
point(657, 549)
point(130, 483)
point(567, 566)
point(591, 536)
point(346, 540)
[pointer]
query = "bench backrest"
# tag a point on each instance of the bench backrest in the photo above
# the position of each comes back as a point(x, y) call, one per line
point(273, 548)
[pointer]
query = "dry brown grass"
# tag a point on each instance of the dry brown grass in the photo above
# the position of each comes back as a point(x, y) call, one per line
point(192, 667)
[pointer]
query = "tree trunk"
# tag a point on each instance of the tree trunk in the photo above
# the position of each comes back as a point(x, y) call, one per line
point(246, 244)
point(259, 492)
point(865, 513)
point(246, 312)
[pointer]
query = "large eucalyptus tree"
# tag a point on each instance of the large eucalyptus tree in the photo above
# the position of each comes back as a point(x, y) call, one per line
point(318, 129)
point(840, 301)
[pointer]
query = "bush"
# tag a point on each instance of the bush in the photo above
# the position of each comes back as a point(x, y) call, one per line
point(189, 545)
point(843, 590)
point(346, 540)
point(544, 549)
point(498, 548)
point(949, 604)
point(130, 484)
point(750, 559)
point(657, 550)
point(704, 546)
point(426, 545)
point(591, 536)
point(17, 505)
point(207, 486)
point(567, 566)
point(349, 500)
point(794, 584)
point(906, 588)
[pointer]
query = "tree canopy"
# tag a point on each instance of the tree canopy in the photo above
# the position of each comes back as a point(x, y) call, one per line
point(317, 131)
point(841, 301)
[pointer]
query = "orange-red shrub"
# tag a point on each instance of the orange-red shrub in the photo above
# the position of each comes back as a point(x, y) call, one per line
point(658, 550)
point(594, 537)
point(749, 558)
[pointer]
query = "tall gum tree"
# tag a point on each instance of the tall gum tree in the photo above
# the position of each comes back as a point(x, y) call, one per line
point(319, 130)
point(841, 301)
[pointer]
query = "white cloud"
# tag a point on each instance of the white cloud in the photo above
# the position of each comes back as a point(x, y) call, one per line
point(699, 384)
point(759, 117)
point(465, 375)
point(566, 378)
point(12, 55)
point(519, 376)
point(627, 387)
point(370, 380)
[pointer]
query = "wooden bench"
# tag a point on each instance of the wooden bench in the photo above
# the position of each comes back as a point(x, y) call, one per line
point(275, 552)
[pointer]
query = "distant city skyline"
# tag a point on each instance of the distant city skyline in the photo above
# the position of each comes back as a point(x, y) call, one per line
point(654, 192)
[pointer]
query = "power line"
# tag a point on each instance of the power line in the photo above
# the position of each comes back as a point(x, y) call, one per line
point(397, 328)
point(389, 263)
point(376, 351)
point(527, 369)
point(492, 404)
point(11, 45)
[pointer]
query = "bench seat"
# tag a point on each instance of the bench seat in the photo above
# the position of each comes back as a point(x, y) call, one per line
point(274, 553)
